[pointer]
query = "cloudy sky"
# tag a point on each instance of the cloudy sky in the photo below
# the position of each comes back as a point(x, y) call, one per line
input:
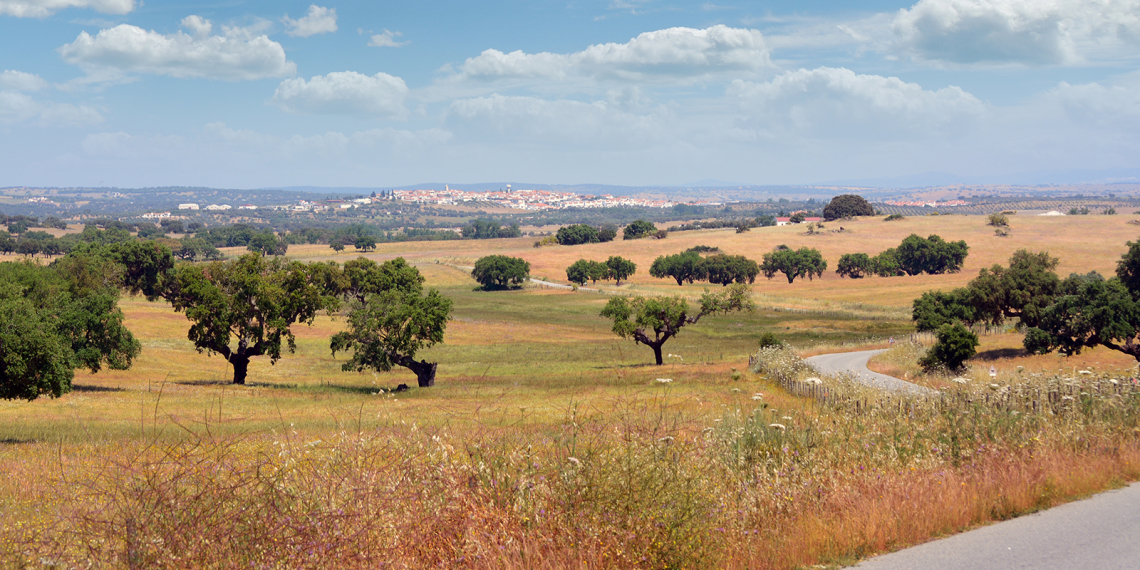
point(247, 93)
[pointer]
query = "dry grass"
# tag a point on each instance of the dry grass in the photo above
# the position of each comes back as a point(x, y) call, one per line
point(549, 443)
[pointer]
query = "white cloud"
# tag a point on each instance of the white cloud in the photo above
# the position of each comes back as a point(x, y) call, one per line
point(1033, 32)
point(235, 55)
point(387, 39)
point(319, 20)
point(535, 121)
point(830, 102)
point(19, 107)
point(684, 54)
point(343, 92)
point(1115, 106)
point(21, 81)
point(45, 8)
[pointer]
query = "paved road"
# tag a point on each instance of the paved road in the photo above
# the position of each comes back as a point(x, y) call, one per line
point(1099, 533)
point(855, 365)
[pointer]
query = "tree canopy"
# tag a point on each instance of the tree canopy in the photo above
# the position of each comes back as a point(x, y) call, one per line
point(847, 205)
point(390, 318)
point(654, 320)
point(854, 265)
point(620, 268)
point(246, 307)
point(56, 319)
point(1090, 310)
point(501, 272)
point(682, 267)
point(931, 255)
point(577, 234)
point(724, 269)
point(803, 262)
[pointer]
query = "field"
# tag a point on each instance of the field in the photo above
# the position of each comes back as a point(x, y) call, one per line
point(550, 443)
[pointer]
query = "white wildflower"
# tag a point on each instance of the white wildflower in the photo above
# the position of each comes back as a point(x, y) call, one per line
point(813, 380)
point(777, 426)
point(960, 380)
point(664, 380)
point(574, 460)
point(1085, 372)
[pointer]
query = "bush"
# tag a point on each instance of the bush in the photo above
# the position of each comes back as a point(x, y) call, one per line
point(894, 217)
point(931, 255)
point(998, 220)
point(769, 340)
point(501, 272)
point(638, 229)
point(956, 344)
point(703, 249)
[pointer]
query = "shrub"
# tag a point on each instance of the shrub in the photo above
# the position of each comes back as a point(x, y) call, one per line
point(998, 220)
point(956, 344)
point(894, 217)
point(769, 340)
point(638, 229)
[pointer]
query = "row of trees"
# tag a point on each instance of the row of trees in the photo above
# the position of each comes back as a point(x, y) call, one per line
point(690, 266)
point(577, 234)
point(64, 316)
point(1068, 315)
point(616, 268)
point(914, 256)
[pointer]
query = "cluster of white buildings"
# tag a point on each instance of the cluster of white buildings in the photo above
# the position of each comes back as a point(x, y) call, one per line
point(933, 204)
point(525, 199)
point(216, 207)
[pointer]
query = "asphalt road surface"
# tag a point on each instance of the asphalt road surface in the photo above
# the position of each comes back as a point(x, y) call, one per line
point(1097, 533)
point(854, 364)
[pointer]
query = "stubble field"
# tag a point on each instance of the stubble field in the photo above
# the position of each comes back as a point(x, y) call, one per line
point(549, 442)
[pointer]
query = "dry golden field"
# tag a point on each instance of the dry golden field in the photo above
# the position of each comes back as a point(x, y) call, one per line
point(550, 443)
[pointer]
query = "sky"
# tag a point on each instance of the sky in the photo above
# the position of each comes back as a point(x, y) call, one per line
point(256, 94)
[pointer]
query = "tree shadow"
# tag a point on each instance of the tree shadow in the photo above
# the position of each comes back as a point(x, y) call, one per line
point(1000, 353)
point(206, 383)
point(86, 388)
point(15, 441)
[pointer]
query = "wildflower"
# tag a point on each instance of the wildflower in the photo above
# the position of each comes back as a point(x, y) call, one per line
point(786, 418)
point(758, 396)
point(778, 426)
point(1085, 372)
point(666, 439)
point(960, 380)
point(575, 461)
point(664, 380)
point(813, 380)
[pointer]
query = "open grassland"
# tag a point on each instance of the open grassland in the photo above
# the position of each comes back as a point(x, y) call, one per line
point(550, 443)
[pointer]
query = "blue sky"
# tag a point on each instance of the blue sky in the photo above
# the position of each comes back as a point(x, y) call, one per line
point(249, 94)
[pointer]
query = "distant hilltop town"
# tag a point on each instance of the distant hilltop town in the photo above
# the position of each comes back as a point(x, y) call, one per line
point(528, 199)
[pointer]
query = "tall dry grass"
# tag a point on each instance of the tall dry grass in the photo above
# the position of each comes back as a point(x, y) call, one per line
point(771, 481)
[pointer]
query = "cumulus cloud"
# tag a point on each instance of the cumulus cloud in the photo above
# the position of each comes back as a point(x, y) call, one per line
point(1115, 106)
point(343, 92)
point(554, 123)
point(319, 20)
point(237, 54)
point(20, 107)
point(20, 81)
point(1015, 31)
point(387, 39)
point(830, 102)
point(45, 8)
point(674, 54)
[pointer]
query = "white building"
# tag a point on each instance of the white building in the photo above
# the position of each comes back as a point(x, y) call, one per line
point(216, 207)
point(156, 215)
point(188, 206)
point(247, 207)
